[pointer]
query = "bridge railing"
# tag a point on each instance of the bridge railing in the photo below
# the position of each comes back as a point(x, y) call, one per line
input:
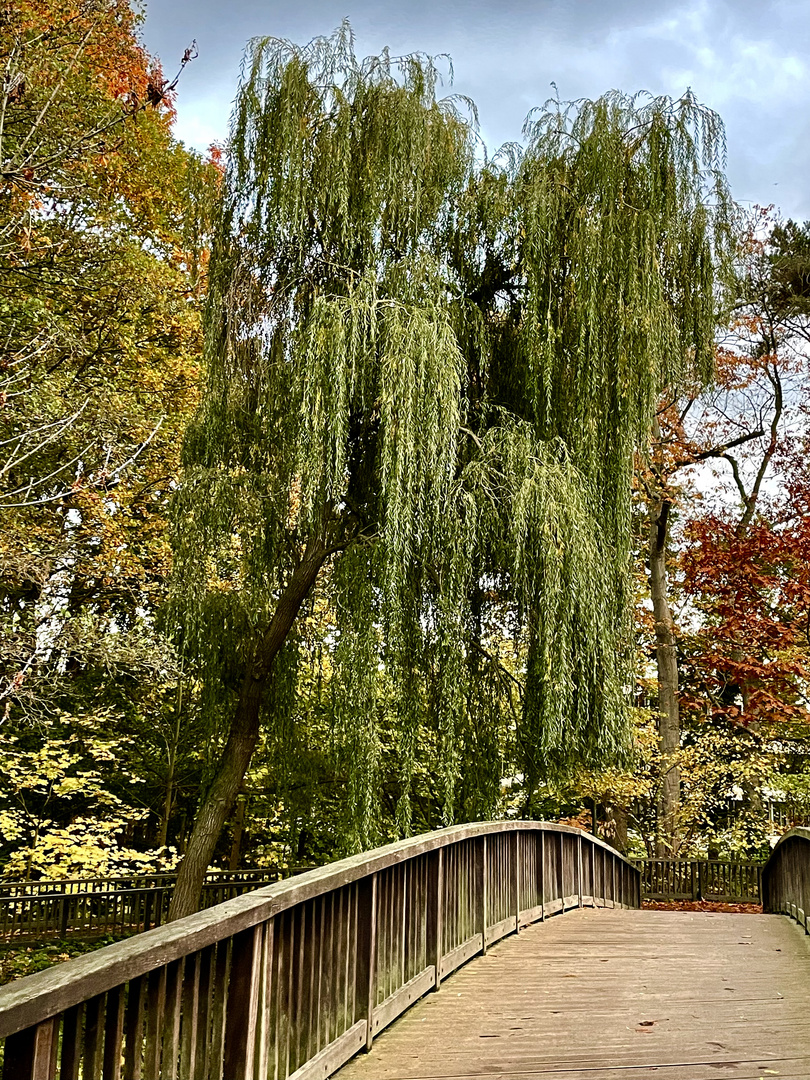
point(291, 980)
point(786, 877)
point(701, 879)
point(89, 906)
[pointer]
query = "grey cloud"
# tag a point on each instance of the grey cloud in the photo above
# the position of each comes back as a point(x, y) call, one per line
point(744, 58)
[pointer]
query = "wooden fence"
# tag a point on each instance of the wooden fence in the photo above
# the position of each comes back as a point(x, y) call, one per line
point(291, 980)
point(701, 879)
point(786, 878)
point(36, 910)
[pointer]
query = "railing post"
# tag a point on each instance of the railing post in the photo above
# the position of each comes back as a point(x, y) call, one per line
point(63, 914)
point(516, 876)
point(561, 872)
point(592, 847)
point(481, 890)
point(72, 1043)
point(579, 868)
point(31, 1054)
point(242, 1004)
point(542, 875)
point(435, 914)
point(367, 955)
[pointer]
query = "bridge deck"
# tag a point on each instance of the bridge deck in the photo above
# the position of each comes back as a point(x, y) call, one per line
point(619, 995)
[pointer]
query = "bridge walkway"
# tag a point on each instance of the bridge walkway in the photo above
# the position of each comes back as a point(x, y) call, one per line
point(614, 995)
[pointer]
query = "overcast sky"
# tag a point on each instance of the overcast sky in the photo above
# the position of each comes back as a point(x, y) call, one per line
point(748, 60)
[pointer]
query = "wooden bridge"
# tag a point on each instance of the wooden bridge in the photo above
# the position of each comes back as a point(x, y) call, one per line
point(84, 908)
point(295, 979)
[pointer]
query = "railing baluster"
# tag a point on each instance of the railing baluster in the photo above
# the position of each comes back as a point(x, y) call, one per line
point(30, 1054)
point(203, 1021)
point(434, 929)
point(480, 886)
point(367, 956)
point(94, 1039)
point(114, 1034)
point(190, 1017)
point(561, 871)
point(71, 1043)
point(218, 1011)
point(514, 850)
point(328, 997)
point(264, 1027)
point(543, 875)
point(242, 1005)
point(299, 1004)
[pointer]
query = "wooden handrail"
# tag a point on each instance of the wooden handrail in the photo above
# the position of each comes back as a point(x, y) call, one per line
point(293, 979)
point(786, 877)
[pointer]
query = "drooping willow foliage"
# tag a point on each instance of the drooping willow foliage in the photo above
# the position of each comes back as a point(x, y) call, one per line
point(439, 365)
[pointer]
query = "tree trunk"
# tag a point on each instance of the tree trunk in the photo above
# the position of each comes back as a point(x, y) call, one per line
point(172, 751)
point(669, 721)
point(243, 735)
point(238, 833)
point(619, 815)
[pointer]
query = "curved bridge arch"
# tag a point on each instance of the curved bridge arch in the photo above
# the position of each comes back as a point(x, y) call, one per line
point(294, 979)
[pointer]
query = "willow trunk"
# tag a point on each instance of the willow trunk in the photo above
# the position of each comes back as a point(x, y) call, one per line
point(666, 656)
point(243, 735)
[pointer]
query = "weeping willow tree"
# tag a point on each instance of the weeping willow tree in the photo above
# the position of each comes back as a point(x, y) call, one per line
point(427, 374)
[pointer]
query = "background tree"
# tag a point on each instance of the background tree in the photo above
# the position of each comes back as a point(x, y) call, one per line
point(103, 219)
point(426, 379)
point(738, 535)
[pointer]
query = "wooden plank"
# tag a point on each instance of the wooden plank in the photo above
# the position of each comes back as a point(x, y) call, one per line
point(559, 865)
point(367, 956)
point(531, 915)
point(155, 1013)
point(93, 1038)
point(481, 878)
point(435, 913)
point(31, 1055)
point(461, 954)
point(190, 1015)
point(514, 851)
point(113, 1035)
point(134, 1023)
point(500, 929)
point(218, 1012)
point(203, 1013)
point(264, 1033)
point(170, 1053)
point(333, 1056)
point(620, 993)
point(402, 999)
point(71, 1043)
point(242, 1005)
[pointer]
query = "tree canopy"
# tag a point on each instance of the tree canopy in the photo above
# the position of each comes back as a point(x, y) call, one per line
point(427, 372)
point(102, 223)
